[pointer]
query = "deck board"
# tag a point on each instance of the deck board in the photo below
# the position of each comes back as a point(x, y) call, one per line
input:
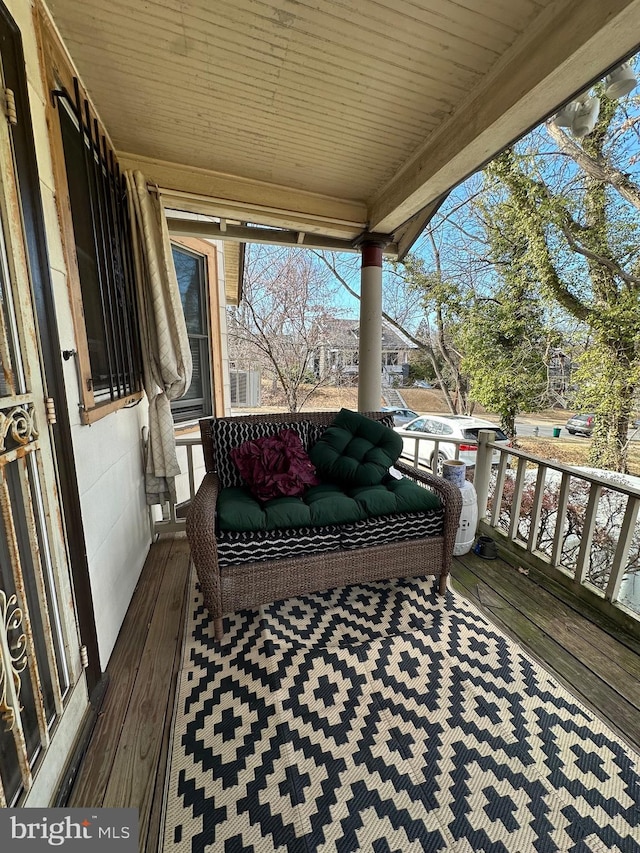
point(135, 769)
point(126, 759)
point(93, 777)
point(596, 667)
point(610, 659)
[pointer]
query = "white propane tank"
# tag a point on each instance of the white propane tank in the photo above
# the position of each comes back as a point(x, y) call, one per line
point(466, 534)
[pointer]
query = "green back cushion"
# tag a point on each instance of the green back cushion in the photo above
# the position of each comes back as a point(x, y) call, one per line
point(355, 450)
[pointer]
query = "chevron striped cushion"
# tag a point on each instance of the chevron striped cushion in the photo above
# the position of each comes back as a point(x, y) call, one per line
point(391, 528)
point(241, 547)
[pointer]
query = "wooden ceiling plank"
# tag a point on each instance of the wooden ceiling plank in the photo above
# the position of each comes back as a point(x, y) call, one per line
point(373, 153)
point(375, 26)
point(349, 21)
point(359, 43)
point(517, 13)
point(471, 24)
point(310, 99)
point(571, 43)
point(214, 50)
point(244, 194)
point(219, 86)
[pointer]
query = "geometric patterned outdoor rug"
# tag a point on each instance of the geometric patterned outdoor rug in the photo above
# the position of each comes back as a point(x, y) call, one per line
point(388, 719)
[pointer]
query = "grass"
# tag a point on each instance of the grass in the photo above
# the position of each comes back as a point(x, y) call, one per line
point(572, 451)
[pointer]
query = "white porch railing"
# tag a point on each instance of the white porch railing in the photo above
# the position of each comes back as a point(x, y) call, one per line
point(579, 527)
point(189, 452)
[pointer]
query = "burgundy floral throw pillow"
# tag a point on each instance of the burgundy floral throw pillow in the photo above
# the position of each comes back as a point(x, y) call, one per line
point(275, 466)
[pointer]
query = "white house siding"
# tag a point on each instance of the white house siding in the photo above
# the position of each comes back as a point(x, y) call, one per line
point(108, 453)
point(116, 520)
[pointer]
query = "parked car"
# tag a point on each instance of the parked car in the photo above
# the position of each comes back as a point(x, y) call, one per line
point(400, 416)
point(581, 424)
point(456, 426)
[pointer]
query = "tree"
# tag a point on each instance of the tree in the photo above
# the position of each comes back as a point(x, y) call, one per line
point(503, 345)
point(286, 303)
point(575, 234)
point(444, 312)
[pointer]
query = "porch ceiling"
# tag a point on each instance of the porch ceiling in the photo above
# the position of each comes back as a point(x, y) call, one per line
point(329, 117)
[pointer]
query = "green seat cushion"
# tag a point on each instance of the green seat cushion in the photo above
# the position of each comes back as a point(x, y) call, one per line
point(410, 497)
point(329, 504)
point(375, 500)
point(355, 450)
point(283, 512)
point(238, 510)
point(321, 506)
point(395, 496)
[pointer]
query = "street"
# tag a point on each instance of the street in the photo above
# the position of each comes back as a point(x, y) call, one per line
point(545, 430)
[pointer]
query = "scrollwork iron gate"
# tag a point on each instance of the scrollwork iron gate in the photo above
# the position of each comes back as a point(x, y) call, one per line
point(39, 644)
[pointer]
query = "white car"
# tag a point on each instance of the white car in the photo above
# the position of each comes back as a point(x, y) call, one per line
point(456, 426)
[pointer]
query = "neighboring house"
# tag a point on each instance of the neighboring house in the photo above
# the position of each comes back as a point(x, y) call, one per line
point(560, 369)
point(337, 356)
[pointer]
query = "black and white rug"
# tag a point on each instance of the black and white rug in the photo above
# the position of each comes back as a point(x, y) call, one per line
point(384, 718)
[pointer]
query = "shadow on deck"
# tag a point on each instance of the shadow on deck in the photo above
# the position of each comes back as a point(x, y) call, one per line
point(124, 764)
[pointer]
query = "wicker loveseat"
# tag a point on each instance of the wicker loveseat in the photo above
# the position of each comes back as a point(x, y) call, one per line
point(238, 570)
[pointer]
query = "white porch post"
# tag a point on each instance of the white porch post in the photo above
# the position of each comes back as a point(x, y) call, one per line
point(482, 475)
point(370, 347)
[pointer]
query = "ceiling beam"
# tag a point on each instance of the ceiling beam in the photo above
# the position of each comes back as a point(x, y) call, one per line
point(568, 46)
point(274, 237)
point(228, 197)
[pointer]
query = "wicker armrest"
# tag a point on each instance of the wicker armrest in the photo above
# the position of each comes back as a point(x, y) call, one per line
point(201, 531)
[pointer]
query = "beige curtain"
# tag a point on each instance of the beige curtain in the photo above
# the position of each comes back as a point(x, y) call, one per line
point(165, 345)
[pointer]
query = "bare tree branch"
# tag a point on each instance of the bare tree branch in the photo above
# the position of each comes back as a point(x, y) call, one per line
point(600, 170)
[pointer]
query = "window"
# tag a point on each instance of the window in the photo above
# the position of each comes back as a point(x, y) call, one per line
point(191, 271)
point(106, 320)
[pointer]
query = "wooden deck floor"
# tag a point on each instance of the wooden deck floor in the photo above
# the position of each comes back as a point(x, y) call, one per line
point(126, 758)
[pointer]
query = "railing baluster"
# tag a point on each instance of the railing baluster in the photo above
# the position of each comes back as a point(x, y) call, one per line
point(627, 532)
point(173, 516)
point(584, 553)
point(561, 519)
point(499, 489)
point(192, 487)
point(434, 458)
point(517, 499)
point(536, 509)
